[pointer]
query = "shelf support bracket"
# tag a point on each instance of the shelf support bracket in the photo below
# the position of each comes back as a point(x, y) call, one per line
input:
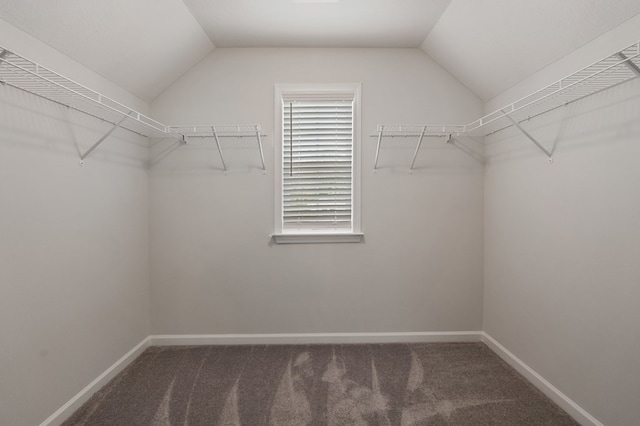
point(215, 136)
point(99, 141)
point(3, 54)
point(259, 137)
point(415, 154)
point(633, 67)
point(375, 163)
point(452, 141)
point(531, 138)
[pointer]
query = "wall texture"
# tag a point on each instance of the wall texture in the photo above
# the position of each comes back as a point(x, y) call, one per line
point(562, 241)
point(213, 266)
point(73, 245)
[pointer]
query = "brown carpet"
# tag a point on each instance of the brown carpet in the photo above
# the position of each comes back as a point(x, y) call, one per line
point(394, 384)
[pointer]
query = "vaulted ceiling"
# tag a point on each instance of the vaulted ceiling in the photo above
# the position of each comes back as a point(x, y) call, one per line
point(347, 23)
point(490, 45)
point(145, 45)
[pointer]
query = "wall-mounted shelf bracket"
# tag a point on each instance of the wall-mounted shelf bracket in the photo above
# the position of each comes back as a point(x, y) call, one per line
point(528, 135)
point(215, 137)
point(412, 131)
point(613, 70)
point(415, 154)
point(24, 74)
point(375, 162)
point(105, 136)
point(462, 147)
point(259, 139)
point(219, 132)
point(3, 54)
point(630, 64)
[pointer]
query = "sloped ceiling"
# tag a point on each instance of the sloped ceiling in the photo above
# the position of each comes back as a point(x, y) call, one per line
point(145, 45)
point(300, 23)
point(490, 45)
point(141, 45)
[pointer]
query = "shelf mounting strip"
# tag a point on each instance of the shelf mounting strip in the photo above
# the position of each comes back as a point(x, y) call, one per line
point(29, 76)
point(606, 73)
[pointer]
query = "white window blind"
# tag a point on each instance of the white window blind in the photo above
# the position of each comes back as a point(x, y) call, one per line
point(317, 162)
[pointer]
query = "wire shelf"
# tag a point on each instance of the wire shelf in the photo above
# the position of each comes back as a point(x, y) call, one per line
point(611, 71)
point(606, 73)
point(29, 76)
point(224, 131)
point(394, 130)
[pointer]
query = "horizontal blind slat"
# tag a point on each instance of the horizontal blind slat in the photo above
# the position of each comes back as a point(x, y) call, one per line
point(317, 162)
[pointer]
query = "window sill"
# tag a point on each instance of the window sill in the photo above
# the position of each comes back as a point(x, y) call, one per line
point(317, 238)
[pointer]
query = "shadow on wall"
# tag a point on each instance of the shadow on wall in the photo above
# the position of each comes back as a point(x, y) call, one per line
point(602, 118)
point(462, 155)
point(200, 156)
point(32, 123)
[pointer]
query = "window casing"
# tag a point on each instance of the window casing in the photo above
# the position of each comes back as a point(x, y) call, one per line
point(317, 164)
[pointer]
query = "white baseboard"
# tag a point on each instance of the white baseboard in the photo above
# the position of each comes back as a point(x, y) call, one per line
point(314, 338)
point(64, 412)
point(81, 397)
point(574, 410)
point(566, 403)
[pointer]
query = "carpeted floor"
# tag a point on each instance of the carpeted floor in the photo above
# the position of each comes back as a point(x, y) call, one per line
point(395, 384)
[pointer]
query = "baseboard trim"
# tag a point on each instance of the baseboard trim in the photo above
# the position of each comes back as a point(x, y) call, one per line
point(64, 412)
point(567, 404)
point(314, 338)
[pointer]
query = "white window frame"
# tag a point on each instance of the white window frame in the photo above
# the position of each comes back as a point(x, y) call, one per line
point(320, 235)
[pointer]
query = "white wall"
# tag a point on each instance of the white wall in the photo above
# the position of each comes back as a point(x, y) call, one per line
point(561, 244)
point(562, 241)
point(213, 267)
point(73, 244)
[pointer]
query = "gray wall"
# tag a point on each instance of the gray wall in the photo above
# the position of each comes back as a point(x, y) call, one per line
point(213, 267)
point(74, 294)
point(562, 241)
point(561, 244)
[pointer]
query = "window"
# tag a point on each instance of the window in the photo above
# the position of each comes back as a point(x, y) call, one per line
point(317, 163)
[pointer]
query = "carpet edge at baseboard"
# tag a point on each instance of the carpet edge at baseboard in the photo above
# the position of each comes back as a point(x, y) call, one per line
point(64, 412)
point(578, 413)
point(314, 338)
point(567, 404)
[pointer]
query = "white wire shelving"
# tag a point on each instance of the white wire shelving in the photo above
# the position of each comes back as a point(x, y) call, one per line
point(615, 69)
point(218, 132)
point(29, 76)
